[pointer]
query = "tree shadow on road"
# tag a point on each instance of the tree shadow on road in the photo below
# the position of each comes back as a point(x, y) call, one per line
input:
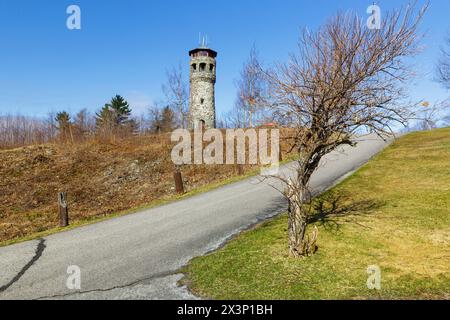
point(334, 208)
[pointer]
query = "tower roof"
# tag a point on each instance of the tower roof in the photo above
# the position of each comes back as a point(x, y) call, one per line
point(211, 52)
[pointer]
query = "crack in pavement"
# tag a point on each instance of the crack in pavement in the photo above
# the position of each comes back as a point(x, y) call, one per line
point(167, 273)
point(38, 253)
point(274, 211)
point(153, 277)
point(277, 208)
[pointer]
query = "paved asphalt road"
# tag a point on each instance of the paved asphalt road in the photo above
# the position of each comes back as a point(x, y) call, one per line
point(137, 256)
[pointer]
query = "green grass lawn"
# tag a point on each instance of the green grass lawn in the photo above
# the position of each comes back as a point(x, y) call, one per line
point(394, 213)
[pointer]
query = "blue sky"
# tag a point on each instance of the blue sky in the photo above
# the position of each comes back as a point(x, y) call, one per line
point(125, 47)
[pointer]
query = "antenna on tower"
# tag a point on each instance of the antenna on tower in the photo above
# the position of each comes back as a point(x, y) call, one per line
point(202, 40)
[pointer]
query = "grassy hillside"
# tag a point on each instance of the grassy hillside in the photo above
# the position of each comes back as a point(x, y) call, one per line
point(394, 213)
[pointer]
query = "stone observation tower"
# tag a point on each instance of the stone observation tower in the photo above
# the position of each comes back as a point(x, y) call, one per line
point(202, 106)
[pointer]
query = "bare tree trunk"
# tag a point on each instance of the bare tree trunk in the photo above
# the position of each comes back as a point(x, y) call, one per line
point(296, 223)
point(299, 244)
point(182, 116)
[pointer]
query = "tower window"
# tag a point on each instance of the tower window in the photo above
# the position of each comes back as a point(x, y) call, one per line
point(202, 124)
point(202, 100)
point(211, 67)
point(194, 67)
point(202, 66)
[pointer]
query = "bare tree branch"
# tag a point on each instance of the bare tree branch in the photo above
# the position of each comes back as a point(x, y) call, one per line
point(176, 93)
point(344, 80)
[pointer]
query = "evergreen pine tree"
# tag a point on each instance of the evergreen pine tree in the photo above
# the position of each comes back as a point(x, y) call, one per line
point(64, 125)
point(114, 115)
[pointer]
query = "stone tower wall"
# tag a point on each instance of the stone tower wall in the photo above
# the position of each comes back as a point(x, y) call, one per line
point(202, 96)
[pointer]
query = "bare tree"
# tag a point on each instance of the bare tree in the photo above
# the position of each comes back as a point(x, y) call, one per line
point(50, 124)
point(446, 121)
point(345, 79)
point(443, 68)
point(175, 90)
point(429, 116)
point(161, 119)
point(251, 89)
point(154, 118)
point(142, 124)
point(84, 124)
point(236, 117)
point(443, 72)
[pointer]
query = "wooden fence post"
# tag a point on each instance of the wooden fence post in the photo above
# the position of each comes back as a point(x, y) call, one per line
point(179, 187)
point(63, 210)
point(240, 169)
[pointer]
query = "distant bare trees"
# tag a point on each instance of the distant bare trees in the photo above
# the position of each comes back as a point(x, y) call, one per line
point(162, 120)
point(345, 78)
point(252, 90)
point(62, 127)
point(112, 120)
point(18, 130)
point(176, 93)
point(443, 68)
point(84, 124)
point(431, 116)
point(443, 73)
point(78, 129)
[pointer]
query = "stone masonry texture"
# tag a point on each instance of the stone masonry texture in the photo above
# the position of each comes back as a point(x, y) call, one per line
point(202, 106)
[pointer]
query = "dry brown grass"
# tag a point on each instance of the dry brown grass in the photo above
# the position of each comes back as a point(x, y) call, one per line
point(100, 177)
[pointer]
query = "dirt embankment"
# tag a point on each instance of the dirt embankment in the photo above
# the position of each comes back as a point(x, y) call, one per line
point(100, 178)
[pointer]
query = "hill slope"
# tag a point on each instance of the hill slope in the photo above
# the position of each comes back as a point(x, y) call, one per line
point(393, 213)
point(101, 178)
